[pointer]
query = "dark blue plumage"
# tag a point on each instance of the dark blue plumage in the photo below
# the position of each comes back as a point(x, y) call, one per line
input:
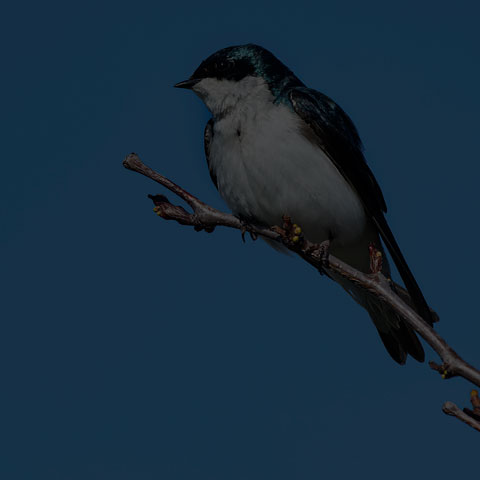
point(234, 63)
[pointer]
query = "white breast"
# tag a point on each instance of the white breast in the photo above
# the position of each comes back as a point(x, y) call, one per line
point(266, 168)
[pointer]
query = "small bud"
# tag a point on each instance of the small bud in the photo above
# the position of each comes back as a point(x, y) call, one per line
point(295, 239)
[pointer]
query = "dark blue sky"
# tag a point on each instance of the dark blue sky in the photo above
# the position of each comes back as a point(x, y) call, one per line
point(132, 348)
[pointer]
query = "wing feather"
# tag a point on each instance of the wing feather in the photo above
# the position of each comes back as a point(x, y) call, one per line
point(207, 140)
point(331, 128)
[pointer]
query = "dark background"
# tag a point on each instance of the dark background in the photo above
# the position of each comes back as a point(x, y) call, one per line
point(132, 348)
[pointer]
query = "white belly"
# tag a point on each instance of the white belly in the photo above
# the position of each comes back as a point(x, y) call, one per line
point(266, 168)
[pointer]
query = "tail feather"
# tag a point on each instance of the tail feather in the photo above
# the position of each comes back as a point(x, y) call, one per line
point(411, 284)
point(400, 341)
point(397, 337)
point(404, 295)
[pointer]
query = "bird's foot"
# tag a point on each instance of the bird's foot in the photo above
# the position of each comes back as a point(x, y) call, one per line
point(376, 259)
point(247, 227)
point(321, 252)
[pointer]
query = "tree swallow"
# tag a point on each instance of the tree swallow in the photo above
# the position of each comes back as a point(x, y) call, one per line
point(275, 147)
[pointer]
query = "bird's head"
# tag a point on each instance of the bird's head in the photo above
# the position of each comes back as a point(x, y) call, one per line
point(234, 73)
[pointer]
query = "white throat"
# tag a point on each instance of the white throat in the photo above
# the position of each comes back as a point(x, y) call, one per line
point(223, 96)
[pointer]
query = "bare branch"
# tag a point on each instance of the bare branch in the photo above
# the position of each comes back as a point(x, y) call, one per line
point(207, 218)
point(451, 409)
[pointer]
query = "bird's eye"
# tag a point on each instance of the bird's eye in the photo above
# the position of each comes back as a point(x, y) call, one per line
point(225, 66)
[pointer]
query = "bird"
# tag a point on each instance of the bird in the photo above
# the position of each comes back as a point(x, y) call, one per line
point(275, 147)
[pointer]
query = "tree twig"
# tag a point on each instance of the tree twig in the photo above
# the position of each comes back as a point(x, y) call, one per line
point(207, 218)
point(451, 409)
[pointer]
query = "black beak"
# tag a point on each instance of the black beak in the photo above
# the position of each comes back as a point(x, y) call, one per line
point(187, 83)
